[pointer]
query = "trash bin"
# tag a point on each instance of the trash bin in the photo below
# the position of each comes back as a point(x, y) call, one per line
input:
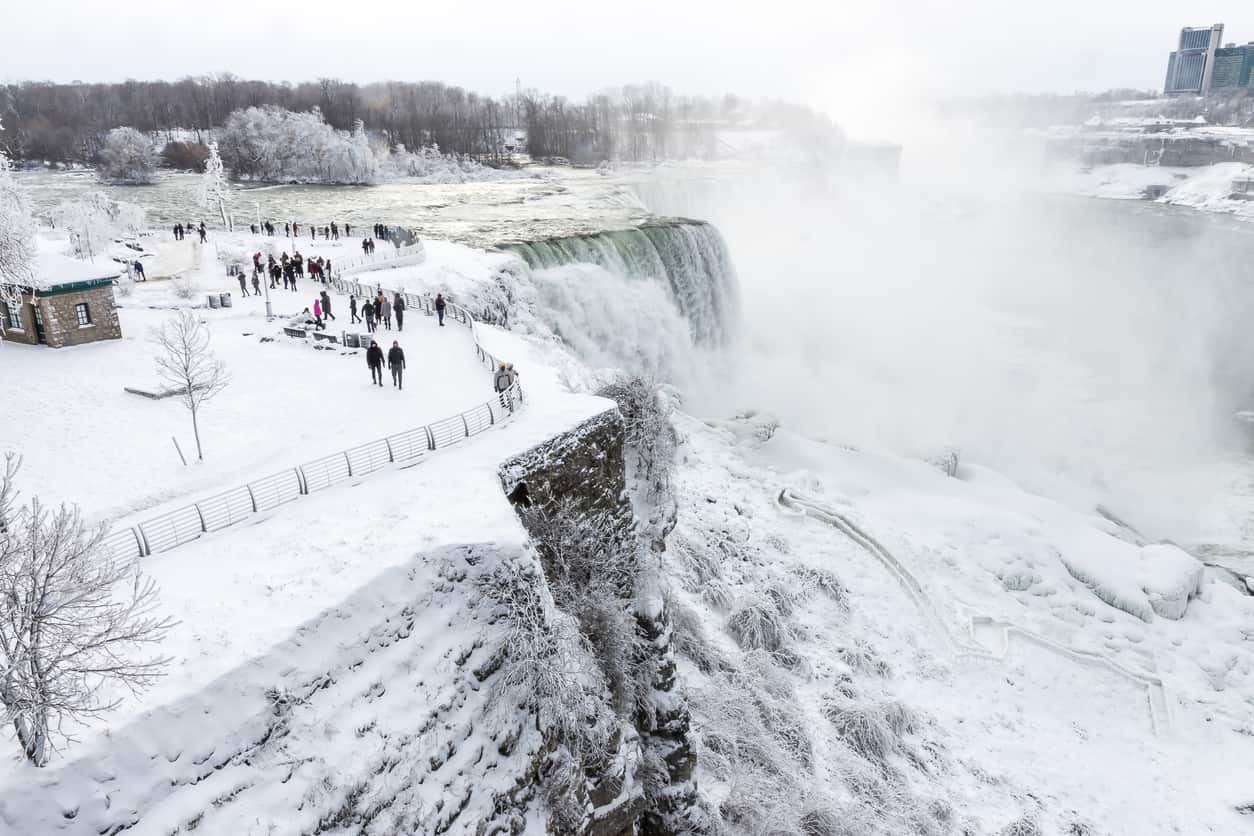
point(226, 299)
point(351, 340)
point(365, 340)
point(214, 301)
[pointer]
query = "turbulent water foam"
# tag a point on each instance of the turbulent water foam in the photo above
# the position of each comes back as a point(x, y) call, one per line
point(687, 260)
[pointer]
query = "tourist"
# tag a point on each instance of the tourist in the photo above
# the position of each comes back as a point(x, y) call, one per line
point(243, 283)
point(326, 270)
point(178, 230)
point(439, 307)
point(352, 310)
point(326, 305)
point(348, 230)
point(318, 311)
point(378, 309)
point(365, 246)
point(335, 231)
point(139, 271)
point(256, 284)
point(500, 380)
point(398, 308)
point(396, 362)
point(374, 359)
point(367, 308)
point(385, 311)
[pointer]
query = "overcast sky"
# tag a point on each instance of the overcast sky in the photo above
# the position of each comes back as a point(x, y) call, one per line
point(840, 56)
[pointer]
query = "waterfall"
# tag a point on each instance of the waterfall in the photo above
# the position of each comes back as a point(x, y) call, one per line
point(688, 259)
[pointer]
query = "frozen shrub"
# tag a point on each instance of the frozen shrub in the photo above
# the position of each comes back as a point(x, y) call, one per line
point(864, 729)
point(649, 431)
point(785, 598)
point(860, 657)
point(826, 583)
point(547, 669)
point(758, 625)
point(689, 640)
point(564, 796)
point(819, 822)
point(184, 285)
point(1022, 826)
point(873, 731)
point(717, 594)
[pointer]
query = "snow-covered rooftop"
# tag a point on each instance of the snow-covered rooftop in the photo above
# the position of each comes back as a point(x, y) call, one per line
point(49, 270)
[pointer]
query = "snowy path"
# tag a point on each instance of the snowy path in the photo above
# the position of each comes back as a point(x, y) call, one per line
point(987, 638)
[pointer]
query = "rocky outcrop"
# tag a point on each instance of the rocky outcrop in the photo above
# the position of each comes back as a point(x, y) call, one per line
point(582, 473)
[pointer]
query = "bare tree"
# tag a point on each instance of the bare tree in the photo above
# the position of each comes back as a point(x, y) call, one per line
point(72, 620)
point(187, 363)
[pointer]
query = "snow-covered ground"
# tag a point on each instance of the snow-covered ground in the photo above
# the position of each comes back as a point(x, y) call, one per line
point(86, 440)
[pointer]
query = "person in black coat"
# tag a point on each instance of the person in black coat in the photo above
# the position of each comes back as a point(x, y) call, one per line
point(374, 359)
point(326, 306)
point(396, 362)
point(439, 307)
point(352, 310)
point(398, 308)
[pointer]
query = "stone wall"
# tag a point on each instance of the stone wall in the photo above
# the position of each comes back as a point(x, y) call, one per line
point(61, 323)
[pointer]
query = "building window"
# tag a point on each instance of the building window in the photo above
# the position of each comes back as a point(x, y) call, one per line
point(83, 313)
point(12, 315)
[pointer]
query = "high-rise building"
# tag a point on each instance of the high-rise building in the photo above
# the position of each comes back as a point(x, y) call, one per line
point(1190, 69)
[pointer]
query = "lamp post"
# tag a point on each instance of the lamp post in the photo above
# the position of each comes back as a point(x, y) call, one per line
point(266, 278)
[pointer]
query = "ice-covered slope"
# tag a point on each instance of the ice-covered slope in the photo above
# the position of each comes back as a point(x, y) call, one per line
point(999, 724)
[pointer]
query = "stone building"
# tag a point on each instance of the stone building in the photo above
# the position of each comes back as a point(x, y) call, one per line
point(68, 302)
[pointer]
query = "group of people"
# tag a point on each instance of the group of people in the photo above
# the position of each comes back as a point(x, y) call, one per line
point(504, 378)
point(291, 229)
point(396, 364)
point(180, 231)
point(286, 269)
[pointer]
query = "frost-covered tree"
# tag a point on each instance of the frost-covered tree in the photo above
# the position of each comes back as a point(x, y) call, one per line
point(94, 220)
point(187, 363)
point(215, 191)
point(17, 237)
point(128, 157)
point(73, 621)
point(276, 145)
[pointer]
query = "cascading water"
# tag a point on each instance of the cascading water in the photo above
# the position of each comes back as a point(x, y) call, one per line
point(687, 258)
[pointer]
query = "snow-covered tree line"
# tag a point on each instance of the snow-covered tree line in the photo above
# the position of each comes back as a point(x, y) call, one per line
point(271, 144)
point(129, 157)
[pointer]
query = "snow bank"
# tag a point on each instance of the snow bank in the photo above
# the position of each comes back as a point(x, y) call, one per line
point(1140, 581)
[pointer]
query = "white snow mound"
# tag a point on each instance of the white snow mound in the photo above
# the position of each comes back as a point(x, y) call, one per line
point(1143, 581)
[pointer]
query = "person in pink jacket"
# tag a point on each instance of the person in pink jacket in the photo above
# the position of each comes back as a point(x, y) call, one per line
point(317, 312)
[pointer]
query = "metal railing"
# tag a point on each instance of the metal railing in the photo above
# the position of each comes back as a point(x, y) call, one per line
point(193, 521)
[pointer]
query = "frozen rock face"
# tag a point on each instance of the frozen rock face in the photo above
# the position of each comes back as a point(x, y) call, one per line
point(580, 479)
